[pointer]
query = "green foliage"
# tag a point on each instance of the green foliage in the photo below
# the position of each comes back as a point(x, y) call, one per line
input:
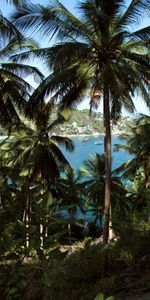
point(138, 145)
point(133, 238)
point(40, 258)
point(101, 297)
point(14, 89)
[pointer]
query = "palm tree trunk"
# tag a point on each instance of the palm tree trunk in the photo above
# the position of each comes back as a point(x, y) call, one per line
point(107, 165)
point(41, 222)
point(111, 233)
point(27, 216)
point(69, 225)
point(27, 220)
point(41, 233)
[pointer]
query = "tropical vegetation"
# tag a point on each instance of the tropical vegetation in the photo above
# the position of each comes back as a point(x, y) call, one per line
point(48, 247)
point(102, 47)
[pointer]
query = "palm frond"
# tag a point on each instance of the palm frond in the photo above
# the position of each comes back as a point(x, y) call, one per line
point(74, 96)
point(16, 3)
point(23, 70)
point(8, 113)
point(31, 54)
point(111, 8)
point(64, 141)
point(96, 46)
point(8, 29)
point(133, 13)
point(143, 34)
point(7, 75)
point(59, 157)
point(136, 57)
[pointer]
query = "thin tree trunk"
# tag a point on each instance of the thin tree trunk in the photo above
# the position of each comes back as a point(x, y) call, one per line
point(111, 233)
point(41, 221)
point(69, 229)
point(41, 234)
point(27, 216)
point(107, 149)
point(69, 225)
point(46, 231)
point(27, 221)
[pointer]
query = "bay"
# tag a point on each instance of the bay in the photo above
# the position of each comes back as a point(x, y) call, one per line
point(85, 149)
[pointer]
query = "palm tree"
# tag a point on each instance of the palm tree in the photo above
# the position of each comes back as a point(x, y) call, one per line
point(14, 89)
point(102, 58)
point(137, 144)
point(34, 148)
point(32, 152)
point(138, 168)
point(93, 185)
point(68, 189)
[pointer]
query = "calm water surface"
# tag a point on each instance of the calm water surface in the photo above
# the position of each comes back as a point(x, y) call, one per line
point(84, 150)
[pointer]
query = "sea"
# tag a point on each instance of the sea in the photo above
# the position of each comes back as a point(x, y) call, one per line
point(85, 147)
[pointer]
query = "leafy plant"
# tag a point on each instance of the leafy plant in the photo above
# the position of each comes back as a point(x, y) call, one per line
point(102, 297)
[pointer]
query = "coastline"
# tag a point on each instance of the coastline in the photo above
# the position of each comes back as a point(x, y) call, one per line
point(95, 134)
point(85, 135)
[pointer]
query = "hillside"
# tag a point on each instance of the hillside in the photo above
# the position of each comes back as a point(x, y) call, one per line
point(81, 122)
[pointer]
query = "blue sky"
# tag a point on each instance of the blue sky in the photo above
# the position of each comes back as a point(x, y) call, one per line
point(71, 4)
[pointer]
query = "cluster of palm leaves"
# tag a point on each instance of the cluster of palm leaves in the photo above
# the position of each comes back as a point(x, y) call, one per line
point(137, 170)
point(97, 55)
point(137, 143)
point(15, 90)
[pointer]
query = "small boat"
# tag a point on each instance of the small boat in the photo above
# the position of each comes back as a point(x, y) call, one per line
point(85, 140)
point(98, 143)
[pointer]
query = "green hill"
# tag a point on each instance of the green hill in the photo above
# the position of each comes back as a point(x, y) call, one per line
point(81, 122)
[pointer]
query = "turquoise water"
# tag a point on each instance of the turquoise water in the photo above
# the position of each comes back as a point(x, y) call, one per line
point(83, 151)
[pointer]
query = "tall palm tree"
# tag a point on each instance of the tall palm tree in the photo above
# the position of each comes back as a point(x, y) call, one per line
point(102, 58)
point(32, 152)
point(34, 149)
point(14, 89)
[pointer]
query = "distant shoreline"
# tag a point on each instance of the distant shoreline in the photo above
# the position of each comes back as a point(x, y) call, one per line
point(95, 134)
point(85, 135)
